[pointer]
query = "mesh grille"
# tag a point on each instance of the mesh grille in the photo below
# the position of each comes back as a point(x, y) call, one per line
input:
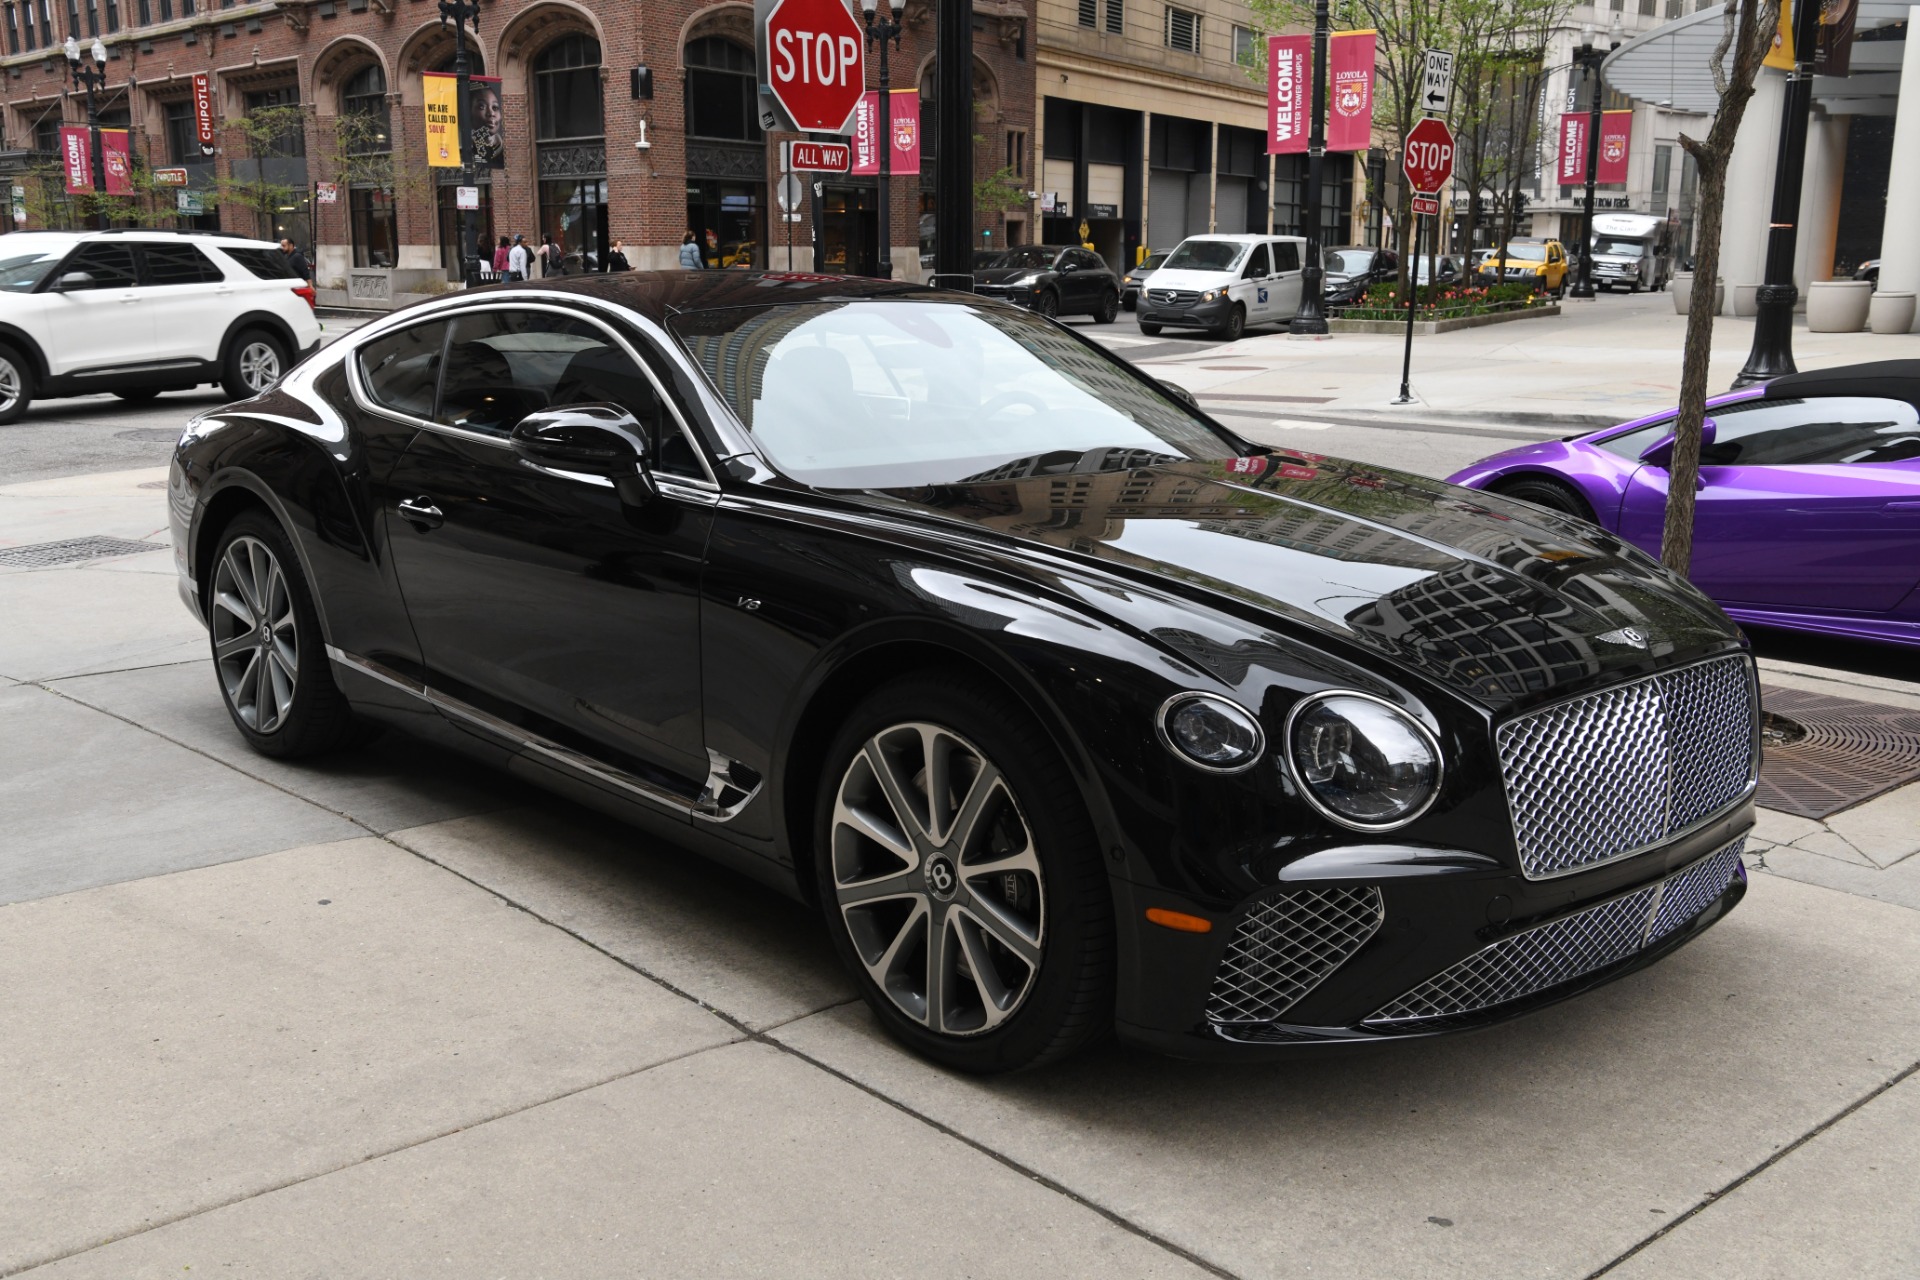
point(1562, 950)
point(1617, 771)
point(1283, 947)
point(41, 554)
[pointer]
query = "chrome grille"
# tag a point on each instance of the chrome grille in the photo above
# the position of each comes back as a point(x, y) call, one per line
point(1618, 771)
point(1285, 946)
point(1561, 950)
point(1173, 297)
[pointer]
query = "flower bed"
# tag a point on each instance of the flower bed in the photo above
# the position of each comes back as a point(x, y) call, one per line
point(1443, 301)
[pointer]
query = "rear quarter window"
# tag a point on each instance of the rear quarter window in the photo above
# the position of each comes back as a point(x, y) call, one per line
point(266, 264)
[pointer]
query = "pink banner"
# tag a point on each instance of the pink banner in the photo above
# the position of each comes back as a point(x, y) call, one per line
point(1289, 93)
point(76, 157)
point(1573, 148)
point(1616, 144)
point(905, 112)
point(118, 155)
point(1350, 91)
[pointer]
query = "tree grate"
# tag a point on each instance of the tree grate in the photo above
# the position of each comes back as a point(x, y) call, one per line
point(1847, 753)
point(42, 554)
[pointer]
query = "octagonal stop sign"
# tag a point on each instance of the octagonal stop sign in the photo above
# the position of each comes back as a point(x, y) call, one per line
point(816, 62)
point(1429, 156)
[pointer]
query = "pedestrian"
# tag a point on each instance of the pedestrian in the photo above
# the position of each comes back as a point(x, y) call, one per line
point(297, 260)
point(502, 254)
point(616, 259)
point(690, 257)
point(519, 260)
point(553, 259)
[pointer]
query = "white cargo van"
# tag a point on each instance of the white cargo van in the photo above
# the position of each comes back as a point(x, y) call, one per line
point(1224, 283)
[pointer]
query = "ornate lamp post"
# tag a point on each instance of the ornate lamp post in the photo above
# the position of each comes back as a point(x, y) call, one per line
point(1312, 316)
point(1590, 58)
point(92, 77)
point(459, 13)
point(879, 32)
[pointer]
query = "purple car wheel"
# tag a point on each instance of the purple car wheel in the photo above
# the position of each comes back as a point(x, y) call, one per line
point(1550, 494)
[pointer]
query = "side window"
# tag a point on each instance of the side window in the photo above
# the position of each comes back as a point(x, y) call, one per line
point(1257, 267)
point(1636, 442)
point(1286, 255)
point(110, 265)
point(178, 264)
point(401, 368)
point(1820, 432)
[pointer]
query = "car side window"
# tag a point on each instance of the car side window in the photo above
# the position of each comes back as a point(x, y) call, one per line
point(503, 365)
point(1286, 257)
point(402, 368)
point(178, 264)
point(110, 265)
point(1823, 431)
point(1257, 267)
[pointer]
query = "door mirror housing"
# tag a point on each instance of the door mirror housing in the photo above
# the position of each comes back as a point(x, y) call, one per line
point(1660, 452)
point(1180, 393)
point(599, 440)
point(73, 280)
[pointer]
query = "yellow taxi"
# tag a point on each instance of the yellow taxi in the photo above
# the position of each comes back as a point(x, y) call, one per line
point(1530, 260)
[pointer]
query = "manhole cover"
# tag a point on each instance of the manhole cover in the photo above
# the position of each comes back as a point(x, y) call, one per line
point(155, 435)
point(1820, 754)
point(42, 554)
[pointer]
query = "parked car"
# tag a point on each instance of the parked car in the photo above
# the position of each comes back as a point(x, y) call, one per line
point(1444, 268)
point(1054, 280)
point(1223, 284)
point(142, 312)
point(1808, 515)
point(1868, 270)
point(1531, 260)
point(1067, 708)
point(1136, 279)
point(1353, 269)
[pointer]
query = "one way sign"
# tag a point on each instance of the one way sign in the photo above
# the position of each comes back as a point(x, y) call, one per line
point(1436, 86)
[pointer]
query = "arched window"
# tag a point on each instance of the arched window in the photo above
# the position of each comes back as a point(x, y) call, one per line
point(364, 98)
point(721, 99)
point(566, 92)
point(571, 150)
point(366, 135)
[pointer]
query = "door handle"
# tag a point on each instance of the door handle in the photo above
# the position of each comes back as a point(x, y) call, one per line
point(421, 513)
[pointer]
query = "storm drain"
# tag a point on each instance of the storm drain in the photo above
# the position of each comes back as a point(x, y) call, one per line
point(1821, 754)
point(42, 554)
point(153, 435)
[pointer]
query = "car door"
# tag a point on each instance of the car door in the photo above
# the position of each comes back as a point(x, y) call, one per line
point(1076, 282)
point(189, 298)
point(1803, 504)
point(1287, 279)
point(98, 324)
point(1254, 291)
point(541, 597)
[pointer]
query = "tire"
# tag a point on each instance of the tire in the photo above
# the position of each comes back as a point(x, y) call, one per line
point(1042, 924)
point(1149, 328)
point(138, 395)
point(16, 385)
point(279, 691)
point(1047, 304)
point(255, 360)
point(1129, 303)
point(1109, 308)
point(1554, 495)
point(1234, 326)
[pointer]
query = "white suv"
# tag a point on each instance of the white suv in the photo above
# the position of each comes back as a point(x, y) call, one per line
point(140, 312)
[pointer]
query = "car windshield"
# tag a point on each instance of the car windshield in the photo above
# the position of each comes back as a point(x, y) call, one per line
point(885, 394)
point(1349, 262)
point(26, 260)
point(1154, 262)
point(1527, 252)
point(1206, 255)
point(1423, 265)
point(1622, 248)
point(1031, 257)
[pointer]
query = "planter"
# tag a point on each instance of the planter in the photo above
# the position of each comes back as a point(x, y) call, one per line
point(1430, 327)
point(1682, 285)
point(1891, 312)
point(1839, 306)
point(1746, 299)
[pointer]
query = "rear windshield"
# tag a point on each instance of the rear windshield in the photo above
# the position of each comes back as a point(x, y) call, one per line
point(268, 264)
point(1206, 255)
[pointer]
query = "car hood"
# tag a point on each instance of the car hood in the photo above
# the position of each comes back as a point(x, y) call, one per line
point(1006, 275)
point(1495, 599)
point(1198, 281)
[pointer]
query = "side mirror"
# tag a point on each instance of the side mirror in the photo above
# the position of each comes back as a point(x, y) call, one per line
point(1660, 452)
point(599, 440)
point(74, 280)
point(1181, 394)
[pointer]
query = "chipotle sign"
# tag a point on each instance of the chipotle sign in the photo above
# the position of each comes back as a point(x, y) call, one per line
point(203, 111)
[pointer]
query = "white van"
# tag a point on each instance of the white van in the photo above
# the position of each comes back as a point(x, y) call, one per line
point(1223, 284)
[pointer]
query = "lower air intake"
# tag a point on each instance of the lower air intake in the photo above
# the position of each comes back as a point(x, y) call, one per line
point(1285, 946)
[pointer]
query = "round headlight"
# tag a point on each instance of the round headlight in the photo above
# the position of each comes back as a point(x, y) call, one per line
point(1211, 733)
point(1363, 762)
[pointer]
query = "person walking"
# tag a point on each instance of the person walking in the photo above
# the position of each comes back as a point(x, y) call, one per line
point(690, 256)
point(501, 253)
point(297, 260)
point(553, 259)
point(616, 259)
point(519, 260)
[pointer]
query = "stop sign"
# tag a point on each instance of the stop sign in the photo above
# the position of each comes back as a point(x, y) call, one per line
point(816, 62)
point(1429, 158)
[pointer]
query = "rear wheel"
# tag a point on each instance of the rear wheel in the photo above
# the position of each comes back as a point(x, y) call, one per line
point(1554, 495)
point(1109, 308)
point(255, 361)
point(138, 395)
point(16, 385)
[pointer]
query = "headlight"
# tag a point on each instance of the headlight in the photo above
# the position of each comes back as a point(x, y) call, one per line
point(1362, 762)
point(1029, 279)
point(1212, 294)
point(1210, 732)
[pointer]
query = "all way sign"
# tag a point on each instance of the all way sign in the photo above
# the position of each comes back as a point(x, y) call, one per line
point(820, 157)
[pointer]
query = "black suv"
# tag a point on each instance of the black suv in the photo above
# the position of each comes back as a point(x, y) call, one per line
point(1050, 279)
point(1352, 269)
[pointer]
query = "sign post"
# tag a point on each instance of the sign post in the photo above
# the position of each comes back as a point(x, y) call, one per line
point(1428, 162)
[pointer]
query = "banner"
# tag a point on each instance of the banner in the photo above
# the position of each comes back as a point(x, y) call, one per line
point(1289, 93)
point(1616, 140)
point(203, 111)
point(442, 97)
point(486, 122)
point(76, 157)
point(906, 133)
point(1573, 148)
point(117, 153)
point(1350, 91)
point(1833, 51)
point(1780, 56)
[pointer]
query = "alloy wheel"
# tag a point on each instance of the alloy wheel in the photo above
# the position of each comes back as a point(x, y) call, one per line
point(259, 365)
point(9, 383)
point(256, 644)
point(938, 880)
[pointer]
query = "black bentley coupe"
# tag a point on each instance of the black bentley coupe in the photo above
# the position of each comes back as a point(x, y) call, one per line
point(1069, 710)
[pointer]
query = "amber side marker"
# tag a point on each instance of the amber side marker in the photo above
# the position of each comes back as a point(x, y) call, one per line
point(1179, 920)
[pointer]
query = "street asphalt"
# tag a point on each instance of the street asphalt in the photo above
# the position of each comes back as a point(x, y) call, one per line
point(392, 1014)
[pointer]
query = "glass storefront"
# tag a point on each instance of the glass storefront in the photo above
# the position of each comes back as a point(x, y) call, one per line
point(726, 218)
point(450, 219)
point(370, 215)
point(726, 203)
point(570, 144)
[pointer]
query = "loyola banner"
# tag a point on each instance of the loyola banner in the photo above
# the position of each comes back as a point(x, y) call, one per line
point(1616, 138)
point(1350, 91)
point(443, 119)
point(1289, 93)
point(905, 115)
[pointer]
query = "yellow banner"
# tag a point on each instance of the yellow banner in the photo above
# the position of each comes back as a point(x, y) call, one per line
point(443, 120)
point(1780, 56)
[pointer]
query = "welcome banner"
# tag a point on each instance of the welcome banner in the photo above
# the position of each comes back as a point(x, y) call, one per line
point(1616, 141)
point(76, 158)
point(1350, 56)
point(1289, 94)
point(443, 119)
point(905, 124)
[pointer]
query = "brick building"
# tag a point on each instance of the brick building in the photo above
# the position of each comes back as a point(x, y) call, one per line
point(590, 156)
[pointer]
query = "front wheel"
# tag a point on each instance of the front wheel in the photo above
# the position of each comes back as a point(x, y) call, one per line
point(1047, 304)
point(1234, 325)
point(1109, 309)
point(16, 385)
point(1149, 328)
point(1551, 494)
point(254, 362)
point(961, 878)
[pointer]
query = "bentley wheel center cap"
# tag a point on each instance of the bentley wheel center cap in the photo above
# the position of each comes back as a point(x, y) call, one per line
point(942, 880)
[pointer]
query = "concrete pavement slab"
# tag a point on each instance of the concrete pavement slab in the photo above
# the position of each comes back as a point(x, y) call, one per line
point(1899, 883)
point(186, 1041)
point(68, 622)
point(392, 782)
point(89, 800)
point(1845, 1204)
point(721, 938)
point(742, 1161)
point(1546, 1147)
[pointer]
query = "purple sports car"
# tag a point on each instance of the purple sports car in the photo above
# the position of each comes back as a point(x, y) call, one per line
point(1809, 499)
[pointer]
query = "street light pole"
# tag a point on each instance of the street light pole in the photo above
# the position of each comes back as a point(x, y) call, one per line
point(90, 79)
point(459, 13)
point(1772, 352)
point(1590, 58)
point(1312, 316)
point(879, 32)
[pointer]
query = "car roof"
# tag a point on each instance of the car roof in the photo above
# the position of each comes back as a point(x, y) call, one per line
point(1244, 237)
point(1893, 379)
point(660, 295)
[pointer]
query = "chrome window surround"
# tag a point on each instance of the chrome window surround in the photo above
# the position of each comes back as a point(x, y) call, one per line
point(1285, 946)
point(1196, 695)
point(1626, 788)
point(1299, 780)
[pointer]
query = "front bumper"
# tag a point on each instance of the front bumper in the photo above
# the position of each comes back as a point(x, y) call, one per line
point(1371, 944)
point(1018, 295)
point(1200, 315)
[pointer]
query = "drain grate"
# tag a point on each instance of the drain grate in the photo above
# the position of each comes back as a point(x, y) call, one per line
point(42, 554)
point(1849, 752)
point(154, 435)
